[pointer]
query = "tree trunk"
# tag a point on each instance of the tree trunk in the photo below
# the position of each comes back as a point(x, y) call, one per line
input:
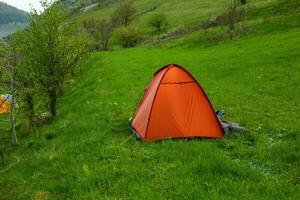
point(232, 18)
point(2, 152)
point(13, 123)
point(30, 110)
point(12, 106)
point(52, 102)
point(104, 40)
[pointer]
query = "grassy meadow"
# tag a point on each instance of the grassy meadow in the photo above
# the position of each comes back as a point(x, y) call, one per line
point(89, 151)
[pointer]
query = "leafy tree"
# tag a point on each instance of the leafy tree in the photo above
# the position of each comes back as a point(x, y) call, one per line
point(124, 14)
point(159, 22)
point(53, 47)
point(10, 62)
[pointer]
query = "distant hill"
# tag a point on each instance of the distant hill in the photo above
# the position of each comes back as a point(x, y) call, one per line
point(9, 18)
point(70, 4)
point(85, 5)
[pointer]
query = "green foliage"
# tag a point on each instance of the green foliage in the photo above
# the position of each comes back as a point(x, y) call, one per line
point(53, 48)
point(10, 59)
point(159, 22)
point(127, 36)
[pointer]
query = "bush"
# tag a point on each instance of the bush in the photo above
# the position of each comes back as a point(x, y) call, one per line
point(127, 36)
point(159, 22)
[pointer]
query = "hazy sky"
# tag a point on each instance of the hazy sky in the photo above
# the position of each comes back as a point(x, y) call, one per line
point(24, 4)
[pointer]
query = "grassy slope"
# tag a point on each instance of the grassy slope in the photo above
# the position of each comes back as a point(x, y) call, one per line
point(255, 79)
point(179, 12)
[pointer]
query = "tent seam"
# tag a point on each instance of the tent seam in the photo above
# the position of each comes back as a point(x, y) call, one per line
point(179, 82)
point(148, 122)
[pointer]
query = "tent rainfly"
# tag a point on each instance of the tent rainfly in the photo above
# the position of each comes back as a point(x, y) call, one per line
point(174, 105)
point(5, 101)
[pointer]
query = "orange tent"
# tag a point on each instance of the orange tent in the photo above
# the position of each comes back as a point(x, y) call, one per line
point(4, 105)
point(175, 106)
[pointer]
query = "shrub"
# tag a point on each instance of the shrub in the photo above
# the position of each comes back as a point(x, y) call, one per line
point(159, 22)
point(127, 36)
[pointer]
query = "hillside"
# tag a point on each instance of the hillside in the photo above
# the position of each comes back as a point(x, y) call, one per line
point(88, 152)
point(179, 13)
point(9, 18)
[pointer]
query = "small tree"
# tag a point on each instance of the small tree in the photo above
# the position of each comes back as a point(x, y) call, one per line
point(53, 48)
point(106, 28)
point(26, 79)
point(159, 22)
point(127, 36)
point(10, 64)
point(235, 14)
point(124, 14)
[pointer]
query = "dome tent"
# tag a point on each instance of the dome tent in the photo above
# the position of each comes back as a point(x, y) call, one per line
point(174, 105)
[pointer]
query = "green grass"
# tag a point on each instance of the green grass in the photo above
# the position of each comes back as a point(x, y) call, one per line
point(82, 155)
point(255, 80)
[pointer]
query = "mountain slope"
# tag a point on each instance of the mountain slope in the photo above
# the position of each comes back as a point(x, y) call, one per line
point(9, 18)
